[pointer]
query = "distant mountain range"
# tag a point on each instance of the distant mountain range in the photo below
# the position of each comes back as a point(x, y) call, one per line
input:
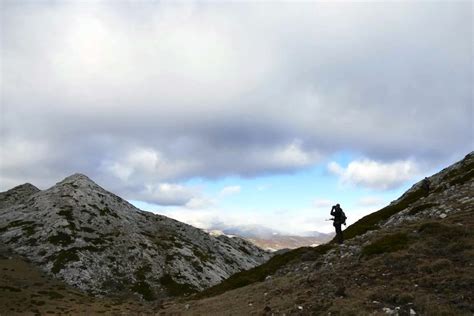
point(94, 240)
point(271, 239)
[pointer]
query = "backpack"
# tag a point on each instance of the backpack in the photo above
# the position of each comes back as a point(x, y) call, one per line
point(343, 217)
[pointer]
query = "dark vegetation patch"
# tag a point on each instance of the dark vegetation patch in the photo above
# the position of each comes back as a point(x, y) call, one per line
point(463, 178)
point(62, 258)
point(14, 239)
point(170, 257)
point(17, 223)
point(443, 231)
point(420, 208)
point(174, 288)
point(389, 243)
point(204, 257)
point(61, 238)
point(244, 250)
point(144, 289)
point(67, 213)
point(9, 288)
point(259, 273)
point(197, 266)
point(87, 229)
point(30, 229)
point(141, 286)
point(141, 272)
point(92, 214)
point(107, 211)
point(96, 241)
point(104, 211)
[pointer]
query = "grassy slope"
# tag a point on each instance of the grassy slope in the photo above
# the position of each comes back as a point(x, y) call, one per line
point(26, 290)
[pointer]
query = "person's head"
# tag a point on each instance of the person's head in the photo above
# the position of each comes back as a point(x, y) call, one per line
point(337, 205)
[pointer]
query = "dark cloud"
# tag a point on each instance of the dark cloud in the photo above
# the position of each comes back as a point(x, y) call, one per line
point(148, 93)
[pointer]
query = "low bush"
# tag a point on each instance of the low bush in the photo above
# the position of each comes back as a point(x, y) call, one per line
point(174, 288)
point(389, 243)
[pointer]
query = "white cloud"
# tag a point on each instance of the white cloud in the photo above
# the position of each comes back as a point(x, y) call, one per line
point(230, 190)
point(375, 174)
point(147, 163)
point(166, 194)
point(292, 155)
point(200, 203)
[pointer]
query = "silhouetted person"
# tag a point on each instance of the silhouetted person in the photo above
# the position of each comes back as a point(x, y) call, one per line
point(339, 219)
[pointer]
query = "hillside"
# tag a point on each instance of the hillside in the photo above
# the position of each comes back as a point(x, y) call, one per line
point(98, 243)
point(412, 257)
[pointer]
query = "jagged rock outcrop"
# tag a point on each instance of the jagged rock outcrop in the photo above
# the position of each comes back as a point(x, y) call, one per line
point(100, 243)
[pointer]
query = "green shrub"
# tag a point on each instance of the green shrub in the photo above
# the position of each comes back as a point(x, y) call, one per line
point(201, 255)
point(14, 224)
point(389, 243)
point(62, 258)
point(66, 212)
point(60, 238)
point(141, 272)
point(420, 208)
point(174, 288)
point(463, 178)
point(144, 290)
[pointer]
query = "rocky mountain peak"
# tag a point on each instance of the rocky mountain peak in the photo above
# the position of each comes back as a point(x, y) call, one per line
point(78, 180)
point(96, 241)
point(17, 194)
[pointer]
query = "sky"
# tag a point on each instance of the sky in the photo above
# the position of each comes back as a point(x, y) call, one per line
point(237, 113)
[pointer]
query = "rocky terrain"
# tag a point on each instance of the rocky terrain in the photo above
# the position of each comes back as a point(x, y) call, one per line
point(413, 257)
point(98, 243)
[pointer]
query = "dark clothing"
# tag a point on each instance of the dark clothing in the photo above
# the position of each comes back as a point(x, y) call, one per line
point(337, 212)
point(339, 237)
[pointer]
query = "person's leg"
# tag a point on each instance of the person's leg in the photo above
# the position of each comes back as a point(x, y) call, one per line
point(338, 233)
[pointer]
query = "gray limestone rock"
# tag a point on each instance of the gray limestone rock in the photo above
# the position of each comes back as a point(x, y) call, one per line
point(96, 241)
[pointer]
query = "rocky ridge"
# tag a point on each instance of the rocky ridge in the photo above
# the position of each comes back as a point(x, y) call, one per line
point(95, 241)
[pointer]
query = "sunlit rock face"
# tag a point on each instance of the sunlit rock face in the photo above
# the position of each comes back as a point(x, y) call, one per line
point(96, 241)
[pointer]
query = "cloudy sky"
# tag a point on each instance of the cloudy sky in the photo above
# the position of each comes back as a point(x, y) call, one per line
point(244, 112)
